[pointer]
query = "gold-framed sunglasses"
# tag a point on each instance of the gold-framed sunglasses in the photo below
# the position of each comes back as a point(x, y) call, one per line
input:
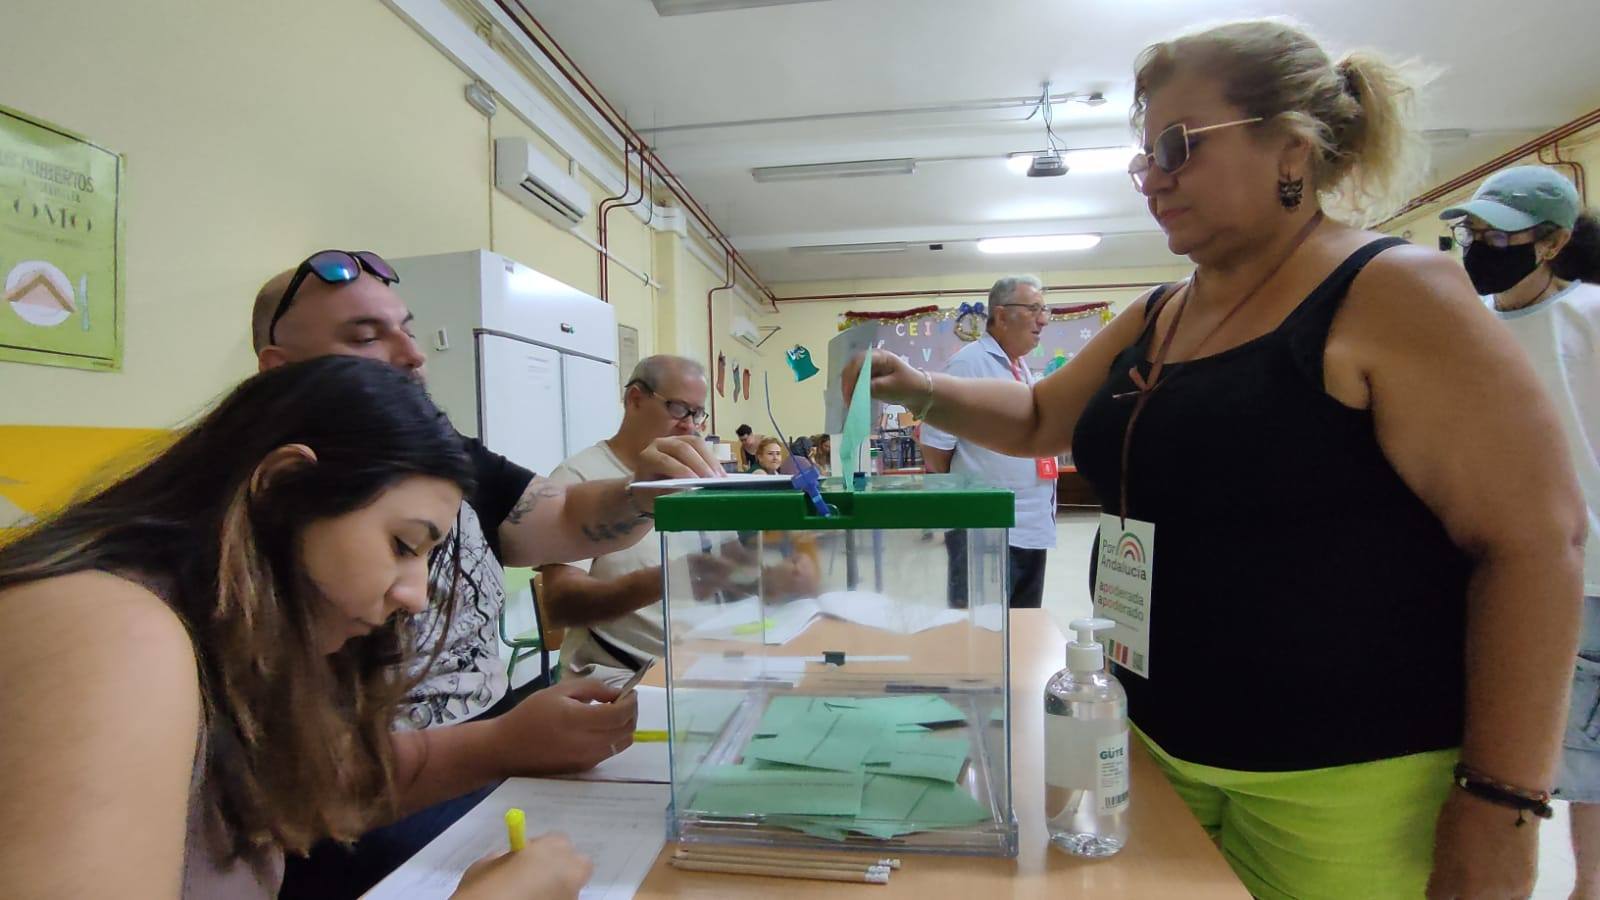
point(1172, 149)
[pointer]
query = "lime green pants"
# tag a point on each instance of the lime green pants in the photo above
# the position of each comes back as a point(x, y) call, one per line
point(1343, 833)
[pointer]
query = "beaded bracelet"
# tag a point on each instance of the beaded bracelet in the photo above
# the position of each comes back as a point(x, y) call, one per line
point(1501, 794)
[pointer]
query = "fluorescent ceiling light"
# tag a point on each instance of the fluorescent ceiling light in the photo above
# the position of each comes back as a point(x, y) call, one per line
point(851, 249)
point(855, 169)
point(1043, 243)
point(1092, 160)
point(689, 7)
point(1100, 159)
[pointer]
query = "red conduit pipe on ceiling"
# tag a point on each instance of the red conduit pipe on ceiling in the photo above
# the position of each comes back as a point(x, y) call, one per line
point(1580, 178)
point(605, 261)
point(605, 207)
point(711, 344)
point(1554, 135)
point(961, 292)
point(586, 88)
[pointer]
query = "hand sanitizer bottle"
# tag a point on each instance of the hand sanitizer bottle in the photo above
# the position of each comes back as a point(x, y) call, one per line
point(1086, 750)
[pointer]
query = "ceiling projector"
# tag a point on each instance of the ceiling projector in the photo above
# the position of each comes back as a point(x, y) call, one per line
point(1046, 165)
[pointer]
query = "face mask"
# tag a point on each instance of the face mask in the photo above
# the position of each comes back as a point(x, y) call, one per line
point(1495, 270)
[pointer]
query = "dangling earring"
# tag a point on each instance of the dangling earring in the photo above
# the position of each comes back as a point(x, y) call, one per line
point(1290, 191)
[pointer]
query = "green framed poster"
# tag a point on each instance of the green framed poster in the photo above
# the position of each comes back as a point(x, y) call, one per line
point(61, 246)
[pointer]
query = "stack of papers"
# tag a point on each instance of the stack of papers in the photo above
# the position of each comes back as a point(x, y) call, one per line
point(835, 766)
point(620, 827)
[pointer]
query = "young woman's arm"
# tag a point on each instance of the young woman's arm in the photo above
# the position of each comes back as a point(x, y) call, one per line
point(100, 712)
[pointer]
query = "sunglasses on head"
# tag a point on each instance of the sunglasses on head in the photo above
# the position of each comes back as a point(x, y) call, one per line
point(1172, 148)
point(333, 267)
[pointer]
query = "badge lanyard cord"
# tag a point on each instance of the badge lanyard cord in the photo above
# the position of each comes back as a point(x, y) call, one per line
point(1016, 372)
point(1146, 387)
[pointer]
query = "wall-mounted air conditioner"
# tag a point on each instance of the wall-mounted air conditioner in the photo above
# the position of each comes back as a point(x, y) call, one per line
point(533, 180)
point(745, 331)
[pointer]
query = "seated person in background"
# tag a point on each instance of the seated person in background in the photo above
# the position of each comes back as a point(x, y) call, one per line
point(770, 455)
point(200, 660)
point(612, 603)
point(822, 454)
point(747, 449)
point(344, 303)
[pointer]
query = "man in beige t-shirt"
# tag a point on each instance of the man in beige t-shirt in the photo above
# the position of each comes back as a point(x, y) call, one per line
point(612, 603)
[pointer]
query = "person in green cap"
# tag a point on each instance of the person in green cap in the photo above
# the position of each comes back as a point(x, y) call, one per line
point(1534, 255)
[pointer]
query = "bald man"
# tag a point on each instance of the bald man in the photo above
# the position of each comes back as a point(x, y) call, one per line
point(345, 303)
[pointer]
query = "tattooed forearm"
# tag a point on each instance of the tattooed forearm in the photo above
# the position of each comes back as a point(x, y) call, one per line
point(609, 532)
point(538, 489)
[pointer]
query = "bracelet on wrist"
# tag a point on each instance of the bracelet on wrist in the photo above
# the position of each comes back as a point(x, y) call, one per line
point(1500, 793)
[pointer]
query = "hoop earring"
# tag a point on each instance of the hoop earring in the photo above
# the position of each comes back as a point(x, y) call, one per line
point(1290, 191)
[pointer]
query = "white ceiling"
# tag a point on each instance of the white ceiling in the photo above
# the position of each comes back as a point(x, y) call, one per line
point(1504, 72)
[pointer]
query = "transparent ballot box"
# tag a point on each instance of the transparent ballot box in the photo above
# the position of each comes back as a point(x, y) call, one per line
point(841, 680)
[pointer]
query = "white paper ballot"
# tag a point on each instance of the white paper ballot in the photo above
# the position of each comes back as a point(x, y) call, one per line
point(620, 827)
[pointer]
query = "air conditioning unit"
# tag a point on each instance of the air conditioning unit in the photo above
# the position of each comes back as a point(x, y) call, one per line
point(745, 331)
point(530, 178)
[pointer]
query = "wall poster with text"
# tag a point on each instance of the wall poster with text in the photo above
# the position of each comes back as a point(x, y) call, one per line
point(61, 246)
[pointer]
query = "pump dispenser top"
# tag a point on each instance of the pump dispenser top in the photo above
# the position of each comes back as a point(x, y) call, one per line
point(1085, 654)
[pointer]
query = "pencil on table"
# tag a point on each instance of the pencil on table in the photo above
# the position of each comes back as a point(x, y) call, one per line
point(783, 857)
point(857, 866)
point(877, 876)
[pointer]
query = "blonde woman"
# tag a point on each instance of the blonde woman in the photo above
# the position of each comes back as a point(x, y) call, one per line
point(770, 455)
point(1343, 607)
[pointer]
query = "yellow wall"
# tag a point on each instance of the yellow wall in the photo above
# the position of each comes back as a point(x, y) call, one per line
point(252, 139)
point(799, 405)
point(54, 464)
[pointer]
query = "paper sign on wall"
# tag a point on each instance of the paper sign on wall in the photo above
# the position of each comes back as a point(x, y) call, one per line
point(61, 247)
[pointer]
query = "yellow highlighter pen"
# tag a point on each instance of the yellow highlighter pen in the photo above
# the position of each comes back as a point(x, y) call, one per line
point(516, 825)
point(649, 737)
point(753, 627)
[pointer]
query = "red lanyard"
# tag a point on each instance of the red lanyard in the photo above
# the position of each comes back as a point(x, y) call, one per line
point(1016, 372)
point(1146, 387)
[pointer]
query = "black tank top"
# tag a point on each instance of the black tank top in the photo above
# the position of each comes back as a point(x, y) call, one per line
point(1307, 609)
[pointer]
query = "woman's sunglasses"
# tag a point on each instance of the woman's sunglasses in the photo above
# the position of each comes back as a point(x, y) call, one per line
point(333, 267)
point(1172, 149)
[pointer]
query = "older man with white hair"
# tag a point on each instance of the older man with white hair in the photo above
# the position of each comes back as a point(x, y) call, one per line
point(1016, 317)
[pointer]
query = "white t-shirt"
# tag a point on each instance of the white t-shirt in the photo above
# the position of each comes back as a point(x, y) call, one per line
point(468, 677)
point(638, 633)
point(1036, 497)
point(1561, 335)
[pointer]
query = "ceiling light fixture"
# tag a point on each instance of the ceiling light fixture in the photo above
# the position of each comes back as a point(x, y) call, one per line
point(1089, 160)
point(860, 168)
point(853, 249)
point(690, 7)
point(1042, 243)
